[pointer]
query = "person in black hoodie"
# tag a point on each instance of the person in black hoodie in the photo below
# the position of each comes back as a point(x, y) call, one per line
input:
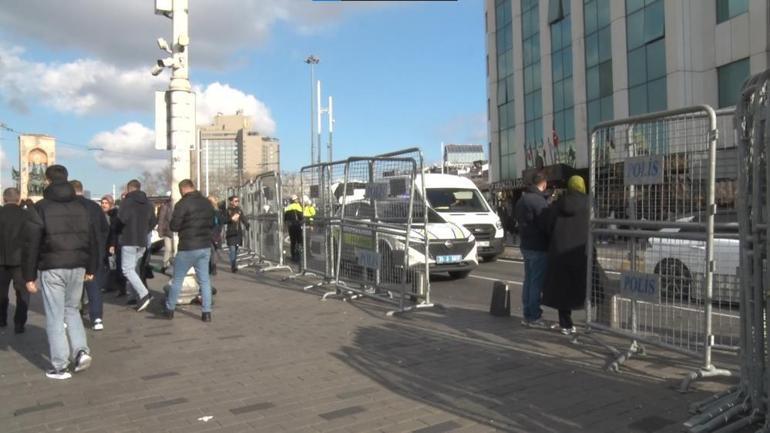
point(61, 243)
point(234, 232)
point(193, 219)
point(136, 218)
point(12, 222)
point(565, 282)
point(531, 217)
point(94, 288)
point(115, 279)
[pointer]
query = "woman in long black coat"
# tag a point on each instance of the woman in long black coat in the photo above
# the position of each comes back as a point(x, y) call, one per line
point(565, 281)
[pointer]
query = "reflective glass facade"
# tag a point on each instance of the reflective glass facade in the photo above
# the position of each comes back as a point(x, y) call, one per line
point(533, 98)
point(730, 80)
point(505, 87)
point(560, 20)
point(727, 9)
point(598, 56)
point(645, 39)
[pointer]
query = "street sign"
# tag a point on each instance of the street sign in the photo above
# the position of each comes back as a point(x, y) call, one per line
point(639, 286)
point(643, 170)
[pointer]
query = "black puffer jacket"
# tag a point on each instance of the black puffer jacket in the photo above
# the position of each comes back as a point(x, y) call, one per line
point(193, 218)
point(100, 222)
point(234, 231)
point(136, 217)
point(531, 217)
point(12, 224)
point(60, 234)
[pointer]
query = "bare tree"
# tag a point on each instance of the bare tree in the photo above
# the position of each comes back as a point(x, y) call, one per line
point(290, 184)
point(156, 182)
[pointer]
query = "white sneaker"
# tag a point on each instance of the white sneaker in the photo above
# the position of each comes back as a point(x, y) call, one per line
point(58, 374)
point(98, 325)
point(82, 361)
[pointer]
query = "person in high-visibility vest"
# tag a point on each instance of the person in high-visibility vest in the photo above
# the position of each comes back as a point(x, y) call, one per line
point(308, 210)
point(293, 216)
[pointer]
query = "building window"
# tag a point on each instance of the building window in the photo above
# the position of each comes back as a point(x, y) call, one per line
point(730, 79)
point(598, 52)
point(563, 126)
point(505, 88)
point(645, 39)
point(727, 9)
point(533, 104)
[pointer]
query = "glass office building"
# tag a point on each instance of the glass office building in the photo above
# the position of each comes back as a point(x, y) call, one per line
point(555, 68)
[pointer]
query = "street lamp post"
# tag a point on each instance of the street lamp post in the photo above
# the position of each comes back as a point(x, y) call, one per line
point(180, 108)
point(312, 61)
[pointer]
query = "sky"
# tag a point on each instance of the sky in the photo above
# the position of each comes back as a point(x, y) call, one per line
point(402, 74)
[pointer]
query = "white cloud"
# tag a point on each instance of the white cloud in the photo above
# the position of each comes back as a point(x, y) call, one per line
point(123, 32)
point(129, 147)
point(83, 86)
point(467, 128)
point(221, 98)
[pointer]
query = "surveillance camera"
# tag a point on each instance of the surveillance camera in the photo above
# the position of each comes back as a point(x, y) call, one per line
point(157, 69)
point(163, 45)
point(183, 40)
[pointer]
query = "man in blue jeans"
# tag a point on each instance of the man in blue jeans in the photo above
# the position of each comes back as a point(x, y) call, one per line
point(136, 218)
point(61, 244)
point(193, 219)
point(531, 217)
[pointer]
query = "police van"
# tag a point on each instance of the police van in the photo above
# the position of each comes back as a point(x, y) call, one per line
point(459, 201)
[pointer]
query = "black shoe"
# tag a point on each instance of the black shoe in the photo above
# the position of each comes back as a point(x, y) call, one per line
point(18, 329)
point(196, 300)
point(206, 317)
point(168, 314)
point(131, 302)
point(120, 294)
point(143, 303)
point(163, 269)
point(213, 290)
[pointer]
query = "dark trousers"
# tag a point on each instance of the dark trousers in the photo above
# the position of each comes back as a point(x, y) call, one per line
point(295, 239)
point(7, 274)
point(93, 290)
point(565, 319)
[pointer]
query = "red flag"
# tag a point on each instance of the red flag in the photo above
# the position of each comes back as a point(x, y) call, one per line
point(555, 139)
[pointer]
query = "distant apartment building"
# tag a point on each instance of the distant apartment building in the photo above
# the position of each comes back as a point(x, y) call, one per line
point(235, 153)
point(556, 68)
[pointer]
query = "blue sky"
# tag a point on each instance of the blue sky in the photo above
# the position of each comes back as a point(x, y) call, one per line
point(402, 74)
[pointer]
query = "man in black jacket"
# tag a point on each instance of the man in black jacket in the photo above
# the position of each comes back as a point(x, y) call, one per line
point(61, 244)
point(12, 223)
point(136, 218)
point(234, 232)
point(193, 219)
point(530, 215)
point(94, 288)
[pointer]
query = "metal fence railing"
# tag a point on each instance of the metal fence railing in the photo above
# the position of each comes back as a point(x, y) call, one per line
point(748, 402)
point(654, 207)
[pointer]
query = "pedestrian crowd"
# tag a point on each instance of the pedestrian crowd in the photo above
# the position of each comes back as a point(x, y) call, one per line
point(553, 235)
point(71, 251)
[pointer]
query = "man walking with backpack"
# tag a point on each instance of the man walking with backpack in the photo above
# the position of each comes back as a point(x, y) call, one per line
point(61, 244)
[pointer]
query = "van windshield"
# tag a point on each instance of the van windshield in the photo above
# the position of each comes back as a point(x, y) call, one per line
point(456, 200)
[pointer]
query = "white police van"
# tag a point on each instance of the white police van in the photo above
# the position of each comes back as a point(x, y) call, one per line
point(459, 201)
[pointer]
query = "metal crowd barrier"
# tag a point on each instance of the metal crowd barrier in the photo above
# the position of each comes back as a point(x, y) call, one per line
point(652, 281)
point(747, 403)
point(262, 204)
point(368, 237)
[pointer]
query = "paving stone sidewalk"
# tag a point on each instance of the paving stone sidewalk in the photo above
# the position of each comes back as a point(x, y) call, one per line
point(277, 359)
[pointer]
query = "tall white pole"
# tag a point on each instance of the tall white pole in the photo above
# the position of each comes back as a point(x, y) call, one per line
point(442, 158)
point(319, 125)
point(330, 113)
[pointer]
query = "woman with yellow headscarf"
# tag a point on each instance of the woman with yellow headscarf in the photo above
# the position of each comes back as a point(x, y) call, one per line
point(565, 280)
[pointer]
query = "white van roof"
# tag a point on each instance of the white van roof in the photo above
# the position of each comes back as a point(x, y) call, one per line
point(446, 181)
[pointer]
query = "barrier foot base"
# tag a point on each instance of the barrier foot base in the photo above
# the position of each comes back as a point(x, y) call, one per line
point(622, 357)
point(732, 416)
point(412, 308)
point(276, 268)
point(701, 373)
point(298, 274)
point(700, 406)
point(316, 285)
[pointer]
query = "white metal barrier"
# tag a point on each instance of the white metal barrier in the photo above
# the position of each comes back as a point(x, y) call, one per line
point(653, 279)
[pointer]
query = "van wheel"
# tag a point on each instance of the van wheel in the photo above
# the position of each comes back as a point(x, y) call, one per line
point(459, 275)
point(675, 280)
